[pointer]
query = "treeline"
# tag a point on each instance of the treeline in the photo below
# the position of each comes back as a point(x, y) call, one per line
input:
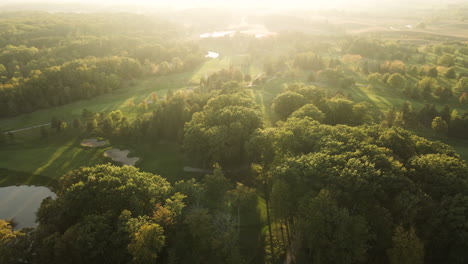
point(361, 194)
point(446, 121)
point(379, 49)
point(39, 50)
point(75, 80)
point(303, 101)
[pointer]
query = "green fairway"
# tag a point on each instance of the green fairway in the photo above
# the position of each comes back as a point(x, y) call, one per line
point(51, 157)
point(164, 159)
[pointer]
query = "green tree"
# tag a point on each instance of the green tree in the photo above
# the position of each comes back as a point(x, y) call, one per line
point(219, 133)
point(63, 126)
point(446, 60)
point(375, 77)
point(94, 231)
point(3, 70)
point(396, 81)
point(92, 125)
point(240, 197)
point(286, 103)
point(433, 72)
point(11, 248)
point(309, 110)
point(333, 234)
point(439, 125)
point(450, 73)
point(462, 85)
point(407, 247)
point(147, 243)
point(339, 111)
point(427, 82)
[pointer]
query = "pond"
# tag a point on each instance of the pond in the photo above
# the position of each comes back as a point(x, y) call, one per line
point(212, 55)
point(22, 202)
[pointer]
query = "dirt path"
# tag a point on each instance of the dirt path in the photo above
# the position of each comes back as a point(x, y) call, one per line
point(26, 128)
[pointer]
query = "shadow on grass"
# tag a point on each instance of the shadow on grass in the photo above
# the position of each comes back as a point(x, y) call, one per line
point(10, 178)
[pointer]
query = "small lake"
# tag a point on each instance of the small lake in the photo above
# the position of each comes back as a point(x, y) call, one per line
point(22, 203)
point(212, 55)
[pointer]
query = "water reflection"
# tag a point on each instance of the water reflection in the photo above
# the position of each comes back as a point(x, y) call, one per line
point(212, 55)
point(22, 202)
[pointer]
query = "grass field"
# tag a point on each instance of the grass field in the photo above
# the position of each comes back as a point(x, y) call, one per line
point(44, 159)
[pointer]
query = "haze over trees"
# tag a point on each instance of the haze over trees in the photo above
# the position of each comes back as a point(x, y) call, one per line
point(312, 142)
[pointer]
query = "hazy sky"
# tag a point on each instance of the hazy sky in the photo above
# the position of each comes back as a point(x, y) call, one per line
point(241, 3)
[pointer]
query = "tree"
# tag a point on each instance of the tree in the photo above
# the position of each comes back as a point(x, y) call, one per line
point(144, 105)
point(147, 243)
point(3, 70)
point(427, 84)
point(427, 114)
point(131, 103)
point(445, 113)
point(446, 60)
point(333, 234)
point(375, 77)
point(439, 126)
point(225, 124)
point(309, 110)
point(339, 111)
point(107, 202)
point(450, 73)
point(433, 72)
point(63, 126)
point(390, 116)
point(59, 125)
point(216, 185)
point(92, 125)
point(154, 97)
point(240, 197)
point(286, 103)
point(396, 81)
point(462, 85)
point(407, 247)
point(10, 244)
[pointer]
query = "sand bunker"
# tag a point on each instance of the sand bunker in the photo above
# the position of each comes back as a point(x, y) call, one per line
point(121, 156)
point(94, 143)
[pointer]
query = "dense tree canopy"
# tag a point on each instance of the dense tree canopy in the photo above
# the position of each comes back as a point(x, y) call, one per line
point(98, 213)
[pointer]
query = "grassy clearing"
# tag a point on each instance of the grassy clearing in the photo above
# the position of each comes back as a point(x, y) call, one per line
point(52, 157)
point(29, 159)
point(164, 159)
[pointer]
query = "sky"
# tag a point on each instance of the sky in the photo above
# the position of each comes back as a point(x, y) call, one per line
point(319, 4)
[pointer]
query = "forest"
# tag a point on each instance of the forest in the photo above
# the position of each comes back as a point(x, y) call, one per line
point(288, 146)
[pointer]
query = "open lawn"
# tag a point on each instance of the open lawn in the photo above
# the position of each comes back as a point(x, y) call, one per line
point(52, 157)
